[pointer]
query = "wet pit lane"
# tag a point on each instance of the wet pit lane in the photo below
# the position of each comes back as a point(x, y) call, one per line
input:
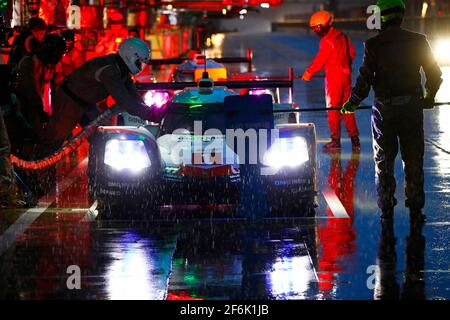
point(342, 252)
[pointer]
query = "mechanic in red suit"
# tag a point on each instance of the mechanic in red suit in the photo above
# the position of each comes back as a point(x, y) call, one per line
point(335, 56)
point(337, 236)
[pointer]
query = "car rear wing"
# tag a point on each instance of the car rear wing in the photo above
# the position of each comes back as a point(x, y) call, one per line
point(266, 83)
point(247, 59)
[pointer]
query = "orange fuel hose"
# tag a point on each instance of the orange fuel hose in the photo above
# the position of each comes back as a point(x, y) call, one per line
point(67, 149)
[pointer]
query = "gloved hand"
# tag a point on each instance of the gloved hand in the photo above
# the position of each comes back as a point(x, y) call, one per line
point(349, 108)
point(307, 76)
point(428, 101)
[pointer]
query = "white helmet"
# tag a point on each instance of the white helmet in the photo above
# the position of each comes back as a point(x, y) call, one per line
point(134, 52)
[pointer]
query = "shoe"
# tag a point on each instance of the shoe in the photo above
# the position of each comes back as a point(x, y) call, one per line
point(333, 145)
point(356, 145)
point(26, 200)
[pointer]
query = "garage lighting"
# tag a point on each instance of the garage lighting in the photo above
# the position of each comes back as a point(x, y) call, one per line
point(265, 5)
point(126, 154)
point(424, 9)
point(224, 12)
point(217, 39)
point(243, 11)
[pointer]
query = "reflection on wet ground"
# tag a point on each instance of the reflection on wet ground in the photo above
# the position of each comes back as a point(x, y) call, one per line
point(387, 285)
point(342, 252)
point(244, 260)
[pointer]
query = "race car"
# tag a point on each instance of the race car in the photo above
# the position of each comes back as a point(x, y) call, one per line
point(188, 71)
point(190, 159)
point(191, 70)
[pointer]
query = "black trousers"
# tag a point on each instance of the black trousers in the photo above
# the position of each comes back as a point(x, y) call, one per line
point(6, 170)
point(66, 115)
point(395, 126)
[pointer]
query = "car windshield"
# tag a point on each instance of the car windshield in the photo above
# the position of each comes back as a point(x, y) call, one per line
point(181, 116)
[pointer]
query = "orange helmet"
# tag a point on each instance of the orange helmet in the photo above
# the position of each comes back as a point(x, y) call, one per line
point(321, 18)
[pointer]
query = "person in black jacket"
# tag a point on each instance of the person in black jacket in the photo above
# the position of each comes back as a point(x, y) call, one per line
point(392, 63)
point(28, 41)
point(34, 72)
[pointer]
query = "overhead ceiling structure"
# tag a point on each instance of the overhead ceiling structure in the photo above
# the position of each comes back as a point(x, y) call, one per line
point(218, 5)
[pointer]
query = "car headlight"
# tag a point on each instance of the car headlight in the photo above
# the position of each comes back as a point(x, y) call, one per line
point(126, 154)
point(287, 152)
point(156, 98)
